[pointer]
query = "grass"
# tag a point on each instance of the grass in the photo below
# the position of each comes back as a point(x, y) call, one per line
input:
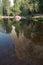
point(37, 18)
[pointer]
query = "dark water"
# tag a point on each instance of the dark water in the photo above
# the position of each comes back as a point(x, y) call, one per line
point(2, 29)
point(7, 56)
point(6, 49)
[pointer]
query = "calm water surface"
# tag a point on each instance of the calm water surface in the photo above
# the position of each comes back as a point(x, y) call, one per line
point(6, 48)
point(7, 56)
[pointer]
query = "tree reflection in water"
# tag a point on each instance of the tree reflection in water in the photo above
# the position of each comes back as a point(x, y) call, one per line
point(27, 48)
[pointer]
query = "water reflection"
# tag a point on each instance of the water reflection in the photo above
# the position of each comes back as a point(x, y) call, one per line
point(2, 29)
point(7, 25)
point(6, 49)
point(26, 50)
point(29, 44)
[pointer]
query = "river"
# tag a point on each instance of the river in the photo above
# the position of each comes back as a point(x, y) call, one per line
point(19, 50)
point(7, 46)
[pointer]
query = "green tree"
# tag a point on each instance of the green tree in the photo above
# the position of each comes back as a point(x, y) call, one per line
point(5, 13)
point(41, 6)
point(0, 7)
point(16, 7)
point(31, 5)
point(25, 6)
point(6, 5)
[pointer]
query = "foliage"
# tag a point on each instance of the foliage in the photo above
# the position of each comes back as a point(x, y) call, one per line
point(40, 6)
point(30, 6)
point(5, 13)
point(16, 7)
point(25, 6)
point(37, 18)
point(0, 7)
